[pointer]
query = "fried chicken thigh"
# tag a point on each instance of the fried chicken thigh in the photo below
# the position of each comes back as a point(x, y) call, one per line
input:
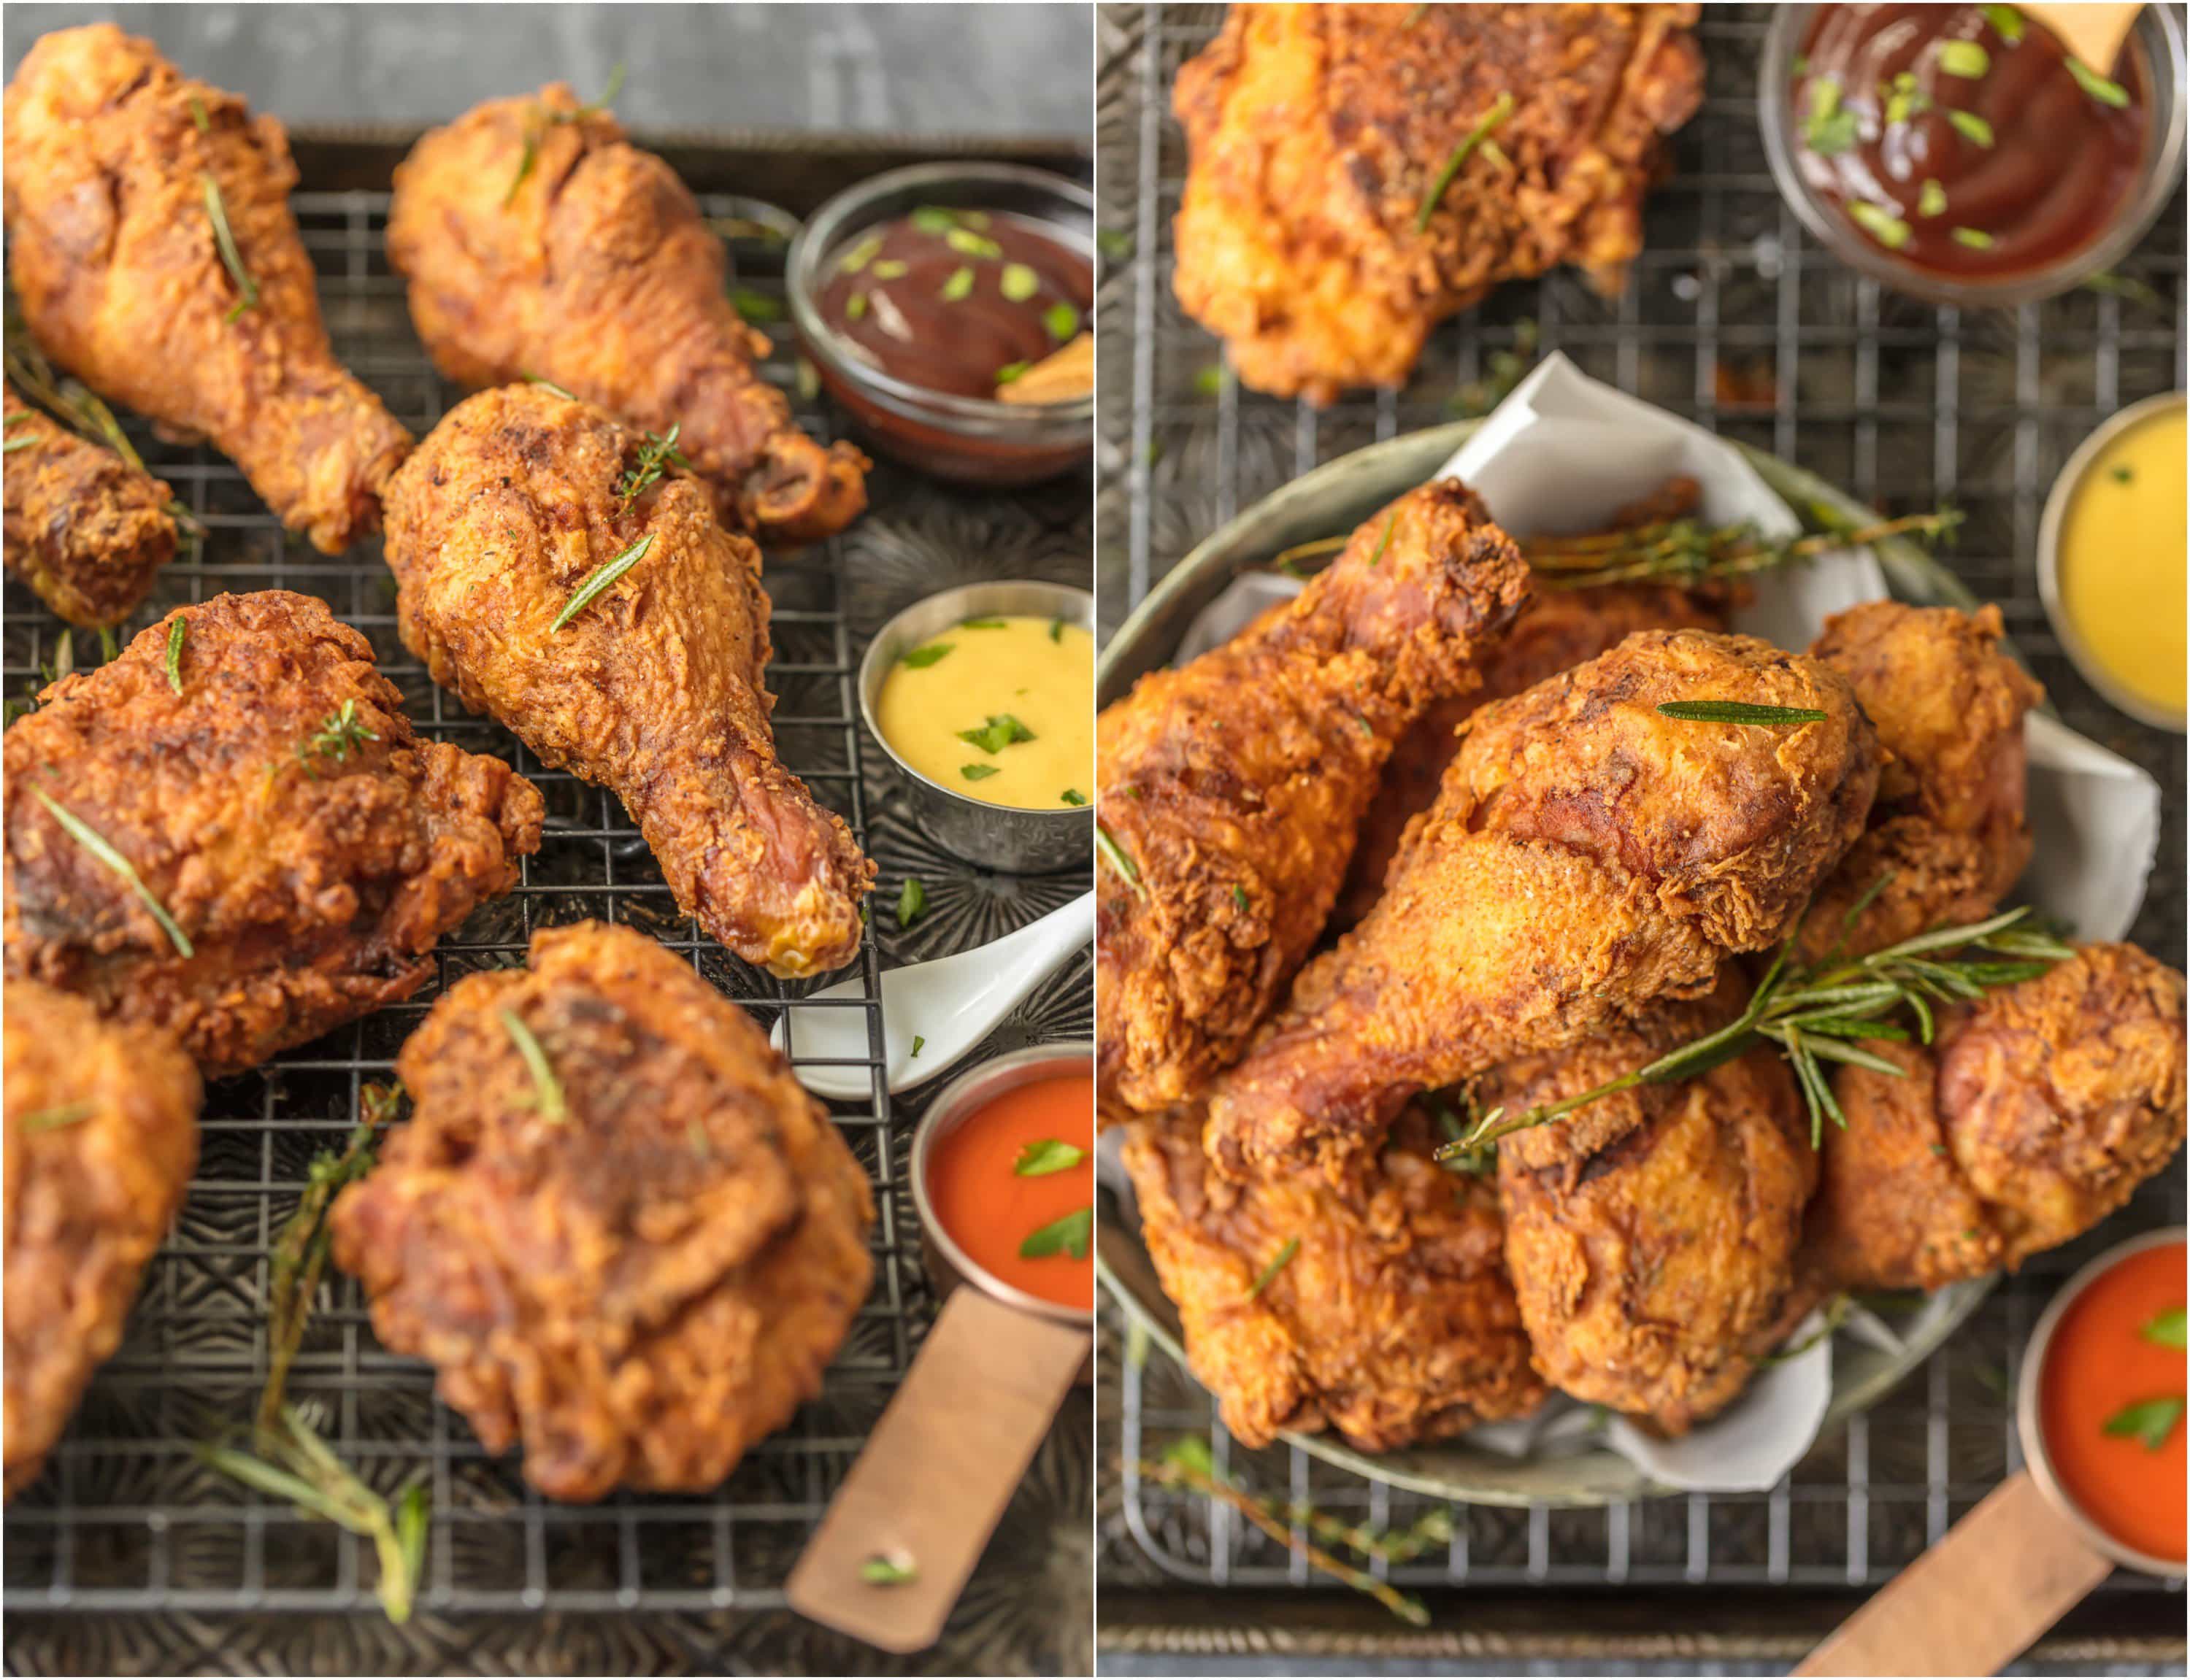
point(637, 1260)
point(122, 175)
point(1232, 787)
point(102, 1135)
point(538, 241)
point(1358, 172)
point(1947, 836)
point(285, 850)
point(1587, 857)
point(518, 503)
point(84, 528)
point(2033, 1116)
point(1391, 1322)
point(1651, 1236)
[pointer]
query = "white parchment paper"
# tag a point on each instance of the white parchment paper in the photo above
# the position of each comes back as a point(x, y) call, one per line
point(1564, 453)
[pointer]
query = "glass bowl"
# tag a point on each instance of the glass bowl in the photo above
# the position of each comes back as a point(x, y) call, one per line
point(2158, 36)
point(974, 440)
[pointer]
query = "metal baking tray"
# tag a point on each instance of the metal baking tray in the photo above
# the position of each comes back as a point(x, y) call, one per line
point(1735, 320)
point(127, 1556)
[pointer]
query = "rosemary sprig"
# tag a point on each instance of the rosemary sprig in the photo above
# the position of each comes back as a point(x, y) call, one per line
point(594, 587)
point(64, 1114)
point(546, 1088)
point(74, 406)
point(93, 842)
point(1815, 1015)
point(176, 633)
point(655, 455)
point(300, 1253)
point(1501, 109)
point(246, 289)
point(300, 1467)
point(541, 120)
point(1739, 711)
point(1283, 1259)
point(1115, 855)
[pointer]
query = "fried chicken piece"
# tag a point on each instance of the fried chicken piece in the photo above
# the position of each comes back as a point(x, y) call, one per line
point(637, 1260)
point(1947, 836)
point(272, 801)
point(1652, 1235)
point(84, 528)
point(2034, 1117)
point(1317, 133)
point(1587, 857)
point(1391, 1322)
point(114, 248)
point(102, 1135)
point(519, 501)
point(538, 241)
point(1232, 786)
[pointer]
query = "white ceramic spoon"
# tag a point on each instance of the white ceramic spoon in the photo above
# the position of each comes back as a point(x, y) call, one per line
point(950, 1005)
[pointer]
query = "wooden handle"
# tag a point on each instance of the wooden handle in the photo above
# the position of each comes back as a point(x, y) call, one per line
point(2092, 30)
point(2003, 1574)
point(938, 1471)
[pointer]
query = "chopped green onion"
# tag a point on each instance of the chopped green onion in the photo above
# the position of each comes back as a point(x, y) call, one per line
point(2006, 22)
point(967, 243)
point(1932, 200)
point(2105, 92)
point(1977, 239)
point(959, 285)
point(1062, 319)
point(1964, 58)
point(1972, 128)
point(1018, 282)
point(1879, 223)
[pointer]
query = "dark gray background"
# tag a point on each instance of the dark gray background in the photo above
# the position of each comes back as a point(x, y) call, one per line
point(1003, 70)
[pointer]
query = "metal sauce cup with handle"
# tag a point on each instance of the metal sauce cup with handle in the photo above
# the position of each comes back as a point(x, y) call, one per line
point(2011, 1568)
point(934, 1478)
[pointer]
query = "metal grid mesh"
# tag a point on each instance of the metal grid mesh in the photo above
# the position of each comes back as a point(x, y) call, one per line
point(1734, 320)
point(124, 1519)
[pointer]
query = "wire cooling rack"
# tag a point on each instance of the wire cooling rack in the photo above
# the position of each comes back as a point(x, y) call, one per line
point(124, 1519)
point(1733, 317)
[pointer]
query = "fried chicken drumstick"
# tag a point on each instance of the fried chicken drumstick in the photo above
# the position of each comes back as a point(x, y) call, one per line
point(102, 1135)
point(84, 528)
point(1232, 787)
point(122, 175)
point(619, 1226)
point(1358, 172)
point(621, 632)
point(1587, 857)
point(1391, 1322)
point(538, 241)
point(252, 851)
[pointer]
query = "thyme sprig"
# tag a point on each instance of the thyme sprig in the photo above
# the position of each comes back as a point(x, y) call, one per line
point(341, 732)
point(541, 120)
point(655, 456)
point(1821, 1013)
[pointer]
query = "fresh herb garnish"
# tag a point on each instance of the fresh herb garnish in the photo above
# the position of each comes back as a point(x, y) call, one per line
point(15, 443)
point(1283, 1260)
point(917, 1041)
point(977, 772)
point(1056, 630)
point(246, 289)
point(1830, 127)
point(341, 732)
point(1070, 1235)
point(980, 624)
point(890, 268)
point(1239, 896)
point(931, 219)
point(1385, 541)
point(1113, 854)
point(546, 1088)
point(911, 901)
point(1972, 128)
point(1046, 1156)
point(1501, 109)
point(2150, 1420)
point(1018, 282)
point(1879, 223)
point(967, 243)
point(1931, 200)
point(855, 306)
point(176, 633)
point(90, 840)
point(1000, 731)
point(596, 585)
point(198, 115)
point(2105, 92)
point(958, 287)
point(852, 260)
point(921, 658)
point(880, 1570)
point(2006, 22)
point(541, 120)
point(1964, 58)
point(1738, 711)
point(2167, 1329)
point(550, 386)
point(1062, 321)
point(64, 1114)
point(1975, 239)
point(2122, 475)
point(1010, 370)
point(1073, 796)
point(655, 456)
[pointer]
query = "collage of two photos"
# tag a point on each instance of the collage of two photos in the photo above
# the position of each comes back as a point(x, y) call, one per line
point(1137, 839)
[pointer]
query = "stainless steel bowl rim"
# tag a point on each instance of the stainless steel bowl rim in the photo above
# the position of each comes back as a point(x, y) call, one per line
point(959, 1098)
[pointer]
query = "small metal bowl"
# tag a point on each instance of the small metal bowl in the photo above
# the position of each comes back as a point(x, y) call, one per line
point(947, 1264)
point(2048, 562)
point(1000, 836)
point(2029, 1424)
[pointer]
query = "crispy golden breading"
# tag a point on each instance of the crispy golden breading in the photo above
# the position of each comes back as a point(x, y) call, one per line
point(2035, 1115)
point(1317, 133)
point(1651, 1236)
point(1391, 1323)
point(112, 249)
point(538, 241)
point(84, 528)
point(640, 1283)
point(1587, 857)
point(655, 689)
point(1947, 835)
point(311, 864)
point(1234, 784)
point(101, 1138)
